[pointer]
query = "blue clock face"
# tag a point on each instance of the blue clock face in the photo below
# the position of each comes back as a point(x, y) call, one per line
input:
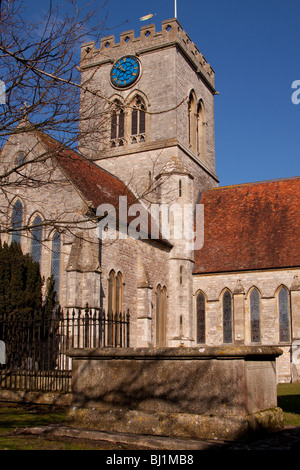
point(125, 71)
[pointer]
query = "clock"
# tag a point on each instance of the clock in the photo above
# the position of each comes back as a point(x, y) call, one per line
point(125, 71)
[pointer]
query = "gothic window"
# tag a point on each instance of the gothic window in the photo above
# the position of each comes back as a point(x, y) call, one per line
point(114, 306)
point(119, 293)
point(227, 317)
point(284, 315)
point(192, 122)
point(161, 303)
point(255, 316)
point(111, 292)
point(138, 120)
point(200, 129)
point(36, 239)
point(117, 130)
point(55, 260)
point(200, 318)
point(115, 283)
point(16, 221)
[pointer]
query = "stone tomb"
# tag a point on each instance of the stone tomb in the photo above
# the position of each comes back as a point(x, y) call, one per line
point(198, 393)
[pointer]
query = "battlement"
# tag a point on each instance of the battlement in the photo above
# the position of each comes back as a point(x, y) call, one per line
point(171, 35)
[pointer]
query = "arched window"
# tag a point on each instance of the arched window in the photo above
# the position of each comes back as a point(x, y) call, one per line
point(114, 307)
point(201, 129)
point(255, 316)
point(36, 239)
point(200, 318)
point(161, 316)
point(192, 121)
point(284, 315)
point(119, 293)
point(111, 293)
point(138, 120)
point(227, 317)
point(117, 130)
point(16, 221)
point(55, 260)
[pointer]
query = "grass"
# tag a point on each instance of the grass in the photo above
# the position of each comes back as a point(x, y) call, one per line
point(13, 416)
point(289, 401)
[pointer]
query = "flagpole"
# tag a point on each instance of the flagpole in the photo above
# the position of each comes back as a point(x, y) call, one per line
point(175, 8)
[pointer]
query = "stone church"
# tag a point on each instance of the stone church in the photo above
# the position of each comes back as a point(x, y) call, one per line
point(238, 285)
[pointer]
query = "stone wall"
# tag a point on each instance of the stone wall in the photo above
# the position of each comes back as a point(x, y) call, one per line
point(240, 284)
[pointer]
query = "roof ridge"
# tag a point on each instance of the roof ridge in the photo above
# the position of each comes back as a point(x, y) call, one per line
point(252, 183)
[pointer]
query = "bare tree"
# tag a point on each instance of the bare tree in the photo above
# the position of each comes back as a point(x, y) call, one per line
point(39, 67)
point(39, 64)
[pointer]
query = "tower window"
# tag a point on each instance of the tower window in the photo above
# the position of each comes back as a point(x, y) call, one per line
point(138, 118)
point(117, 129)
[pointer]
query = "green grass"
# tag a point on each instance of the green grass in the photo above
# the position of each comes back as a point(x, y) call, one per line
point(14, 416)
point(289, 401)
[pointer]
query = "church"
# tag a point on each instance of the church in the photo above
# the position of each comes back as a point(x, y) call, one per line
point(237, 284)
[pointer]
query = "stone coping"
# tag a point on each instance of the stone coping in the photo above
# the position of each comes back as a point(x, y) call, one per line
point(179, 353)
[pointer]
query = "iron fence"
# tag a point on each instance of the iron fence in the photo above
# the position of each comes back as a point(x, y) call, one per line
point(33, 346)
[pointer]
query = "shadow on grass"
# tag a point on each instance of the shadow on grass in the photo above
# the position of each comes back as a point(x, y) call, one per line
point(289, 403)
point(27, 416)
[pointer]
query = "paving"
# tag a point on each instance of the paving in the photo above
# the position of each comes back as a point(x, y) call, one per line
point(287, 439)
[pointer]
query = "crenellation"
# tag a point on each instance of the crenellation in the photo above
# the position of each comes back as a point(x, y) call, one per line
point(170, 35)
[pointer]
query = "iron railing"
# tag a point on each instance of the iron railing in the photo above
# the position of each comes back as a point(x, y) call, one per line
point(33, 347)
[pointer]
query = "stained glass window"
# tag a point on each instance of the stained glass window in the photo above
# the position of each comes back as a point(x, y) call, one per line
point(16, 220)
point(255, 316)
point(55, 262)
point(36, 240)
point(200, 318)
point(284, 315)
point(227, 317)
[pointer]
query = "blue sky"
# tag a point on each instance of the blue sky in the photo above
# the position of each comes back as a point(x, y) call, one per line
point(253, 46)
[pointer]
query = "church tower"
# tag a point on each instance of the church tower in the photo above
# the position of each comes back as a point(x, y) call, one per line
point(147, 116)
point(150, 98)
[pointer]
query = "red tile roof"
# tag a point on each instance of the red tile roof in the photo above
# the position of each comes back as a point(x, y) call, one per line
point(251, 226)
point(96, 185)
